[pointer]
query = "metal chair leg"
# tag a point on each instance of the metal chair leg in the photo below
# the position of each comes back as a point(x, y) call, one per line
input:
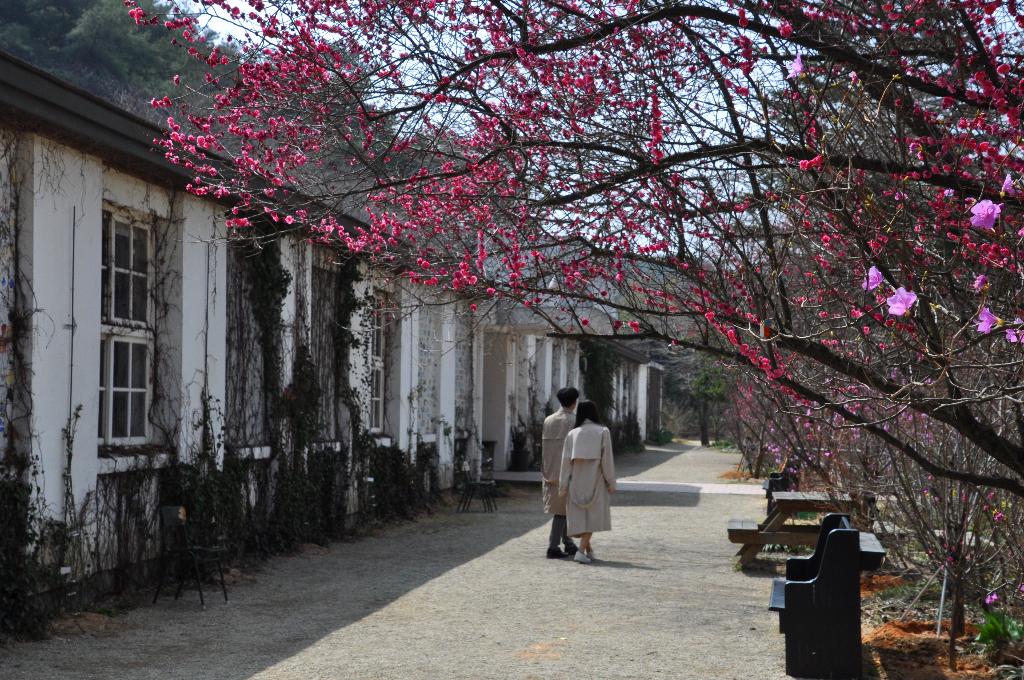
point(199, 581)
point(160, 579)
point(224, 589)
point(467, 498)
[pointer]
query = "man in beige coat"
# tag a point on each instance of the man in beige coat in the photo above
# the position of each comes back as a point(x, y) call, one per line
point(556, 427)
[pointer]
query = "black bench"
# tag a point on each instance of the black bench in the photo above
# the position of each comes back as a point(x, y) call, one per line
point(819, 601)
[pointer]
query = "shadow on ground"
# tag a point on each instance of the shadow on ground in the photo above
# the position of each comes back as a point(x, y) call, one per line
point(297, 601)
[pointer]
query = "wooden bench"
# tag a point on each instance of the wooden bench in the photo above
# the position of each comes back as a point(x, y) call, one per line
point(748, 532)
point(819, 601)
point(774, 530)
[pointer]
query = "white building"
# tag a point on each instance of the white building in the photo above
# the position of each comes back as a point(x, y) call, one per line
point(140, 337)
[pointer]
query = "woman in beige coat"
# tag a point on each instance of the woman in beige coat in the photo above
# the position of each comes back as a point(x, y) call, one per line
point(587, 477)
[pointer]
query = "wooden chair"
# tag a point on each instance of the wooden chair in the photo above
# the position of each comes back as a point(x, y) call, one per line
point(177, 547)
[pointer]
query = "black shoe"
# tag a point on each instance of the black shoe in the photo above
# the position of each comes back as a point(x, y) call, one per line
point(556, 554)
point(571, 549)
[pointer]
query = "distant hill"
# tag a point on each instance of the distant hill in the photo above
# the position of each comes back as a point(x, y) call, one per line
point(95, 45)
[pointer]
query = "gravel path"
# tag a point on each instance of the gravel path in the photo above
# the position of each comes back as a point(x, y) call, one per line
point(470, 596)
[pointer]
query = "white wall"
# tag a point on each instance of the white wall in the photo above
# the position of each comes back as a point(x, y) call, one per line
point(204, 318)
point(62, 197)
point(61, 200)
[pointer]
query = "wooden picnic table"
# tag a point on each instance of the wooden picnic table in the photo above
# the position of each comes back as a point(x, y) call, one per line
point(775, 531)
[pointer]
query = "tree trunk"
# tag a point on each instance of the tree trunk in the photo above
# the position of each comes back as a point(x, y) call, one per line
point(956, 617)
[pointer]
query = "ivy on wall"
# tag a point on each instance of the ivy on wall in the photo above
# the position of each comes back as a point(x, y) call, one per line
point(302, 492)
point(599, 386)
point(19, 573)
point(599, 375)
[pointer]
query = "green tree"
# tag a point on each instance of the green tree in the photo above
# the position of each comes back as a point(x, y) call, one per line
point(96, 45)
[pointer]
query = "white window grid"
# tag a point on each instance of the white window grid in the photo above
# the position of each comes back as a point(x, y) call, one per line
point(126, 342)
point(379, 323)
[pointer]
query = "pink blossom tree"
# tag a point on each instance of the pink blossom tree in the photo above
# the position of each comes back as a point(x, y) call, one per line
point(810, 189)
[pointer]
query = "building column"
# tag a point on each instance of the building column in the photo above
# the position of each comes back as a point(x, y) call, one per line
point(478, 400)
point(563, 365)
point(409, 366)
point(503, 448)
point(359, 368)
point(642, 374)
point(544, 373)
point(446, 393)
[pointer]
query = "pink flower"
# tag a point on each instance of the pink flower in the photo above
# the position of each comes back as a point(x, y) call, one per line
point(872, 280)
point(985, 214)
point(980, 283)
point(986, 320)
point(1007, 187)
point(948, 192)
point(901, 301)
point(796, 67)
point(992, 598)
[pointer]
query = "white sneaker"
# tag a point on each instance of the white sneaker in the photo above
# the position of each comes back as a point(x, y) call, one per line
point(581, 557)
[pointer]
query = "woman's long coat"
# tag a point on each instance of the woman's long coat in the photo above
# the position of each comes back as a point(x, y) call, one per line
point(588, 473)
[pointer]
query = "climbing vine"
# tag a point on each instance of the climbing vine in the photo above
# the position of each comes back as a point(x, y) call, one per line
point(262, 472)
point(599, 386)
point(599, 376)
point(302, 491)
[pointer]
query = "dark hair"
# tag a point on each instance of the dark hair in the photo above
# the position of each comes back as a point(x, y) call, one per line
point(586, 410)
point(567, 396)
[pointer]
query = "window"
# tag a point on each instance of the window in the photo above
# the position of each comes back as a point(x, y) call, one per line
point(124, 389)
point(125, 271)
point(380, 320)
point(126, 343)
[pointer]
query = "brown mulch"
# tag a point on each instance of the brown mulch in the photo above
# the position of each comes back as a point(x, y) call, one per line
point(871, 584)
point(86, 623)
point(909, 650)
point(741, 475)
point(235, 576)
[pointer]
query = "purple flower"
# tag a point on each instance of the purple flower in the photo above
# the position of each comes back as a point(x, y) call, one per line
point(1016, 334)
point(985, 214)
point(1007, 187)
point(980, 283)
point(872, 280)
point(796, 67)
point(948, 192)
point(986, 320)
point(992, 598)
point(901, 301)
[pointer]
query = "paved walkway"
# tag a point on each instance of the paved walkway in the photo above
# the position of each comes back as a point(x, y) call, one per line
point(471, 596)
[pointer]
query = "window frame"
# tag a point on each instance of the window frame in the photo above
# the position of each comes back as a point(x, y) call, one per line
point(377, 339)
point(118, 330)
